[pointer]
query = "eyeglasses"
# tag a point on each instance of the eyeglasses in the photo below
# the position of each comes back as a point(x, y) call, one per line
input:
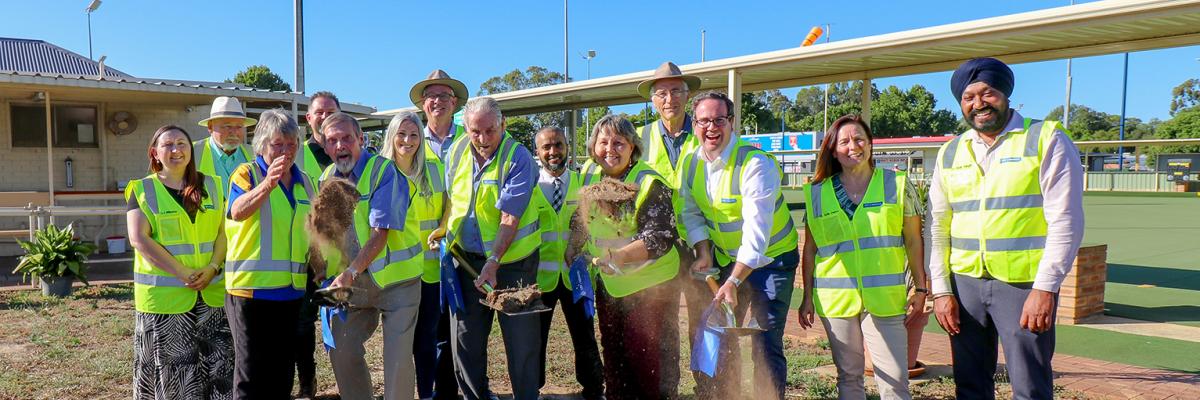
point(719, 122)
point(439, 96)
point(676, 93)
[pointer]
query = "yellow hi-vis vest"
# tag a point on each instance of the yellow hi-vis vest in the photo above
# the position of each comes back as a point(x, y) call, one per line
point(996, 221)
point(724, 217)
point(191, 243)
point(607, 234)
point(269, 249)
point(428, 213)
point(402, 259)
point(307, 162)
point(859, 262)
point(481, 195)
point(654, 152)
point(459, 132)
point(556, 230)
point(202, 152)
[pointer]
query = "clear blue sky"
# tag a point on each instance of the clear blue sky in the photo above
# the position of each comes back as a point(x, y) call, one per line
point(371, 52)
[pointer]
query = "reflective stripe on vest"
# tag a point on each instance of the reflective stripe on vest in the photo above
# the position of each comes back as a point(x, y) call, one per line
point(556, 228)
point(723, 215)
point(397, 262)
point(606, 234)
point(478, 192)
point(997, 224)
point(252, 262)
point(189, 241)
point(860, 262)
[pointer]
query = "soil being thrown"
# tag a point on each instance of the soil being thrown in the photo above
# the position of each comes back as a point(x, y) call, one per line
point(332, 215)
point(514, 300)
point(610, 198)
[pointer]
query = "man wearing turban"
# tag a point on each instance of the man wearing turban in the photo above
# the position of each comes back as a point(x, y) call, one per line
point(1007, 205)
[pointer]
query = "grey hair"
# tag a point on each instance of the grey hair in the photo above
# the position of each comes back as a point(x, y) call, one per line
point(272, 123)
point(417, 171)
point(482, 104)
point(341, 118)
point(622, 127)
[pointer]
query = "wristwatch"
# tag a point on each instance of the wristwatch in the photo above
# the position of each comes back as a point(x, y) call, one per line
point(921, 290)
point(494, 259)
point(736, 282)
point(353, 272)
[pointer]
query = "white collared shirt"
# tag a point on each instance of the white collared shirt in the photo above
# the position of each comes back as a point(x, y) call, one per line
point(1061, 181)
point(546, 183)
point(760, 184)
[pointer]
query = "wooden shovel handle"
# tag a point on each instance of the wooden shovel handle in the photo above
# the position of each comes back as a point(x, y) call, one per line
point(712, 283)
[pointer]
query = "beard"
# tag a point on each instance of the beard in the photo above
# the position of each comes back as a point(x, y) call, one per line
point(344, 167)
point(555, 167)
point(229, 147)
point(994, 125)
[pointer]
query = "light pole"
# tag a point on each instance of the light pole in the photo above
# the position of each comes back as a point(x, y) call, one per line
point(1124, 92)
point(587, 118)
point(827, 87)
point(91, 7)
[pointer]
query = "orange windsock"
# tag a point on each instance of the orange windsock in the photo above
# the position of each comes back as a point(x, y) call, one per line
point(812, 36)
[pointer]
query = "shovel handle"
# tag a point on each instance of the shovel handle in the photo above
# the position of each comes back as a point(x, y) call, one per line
point(712, 285)
point(462, 261)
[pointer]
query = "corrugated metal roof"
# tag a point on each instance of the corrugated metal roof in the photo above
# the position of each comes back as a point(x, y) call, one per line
point(37, 56)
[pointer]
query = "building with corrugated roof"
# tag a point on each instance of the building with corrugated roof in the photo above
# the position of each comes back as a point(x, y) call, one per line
point(99, 126)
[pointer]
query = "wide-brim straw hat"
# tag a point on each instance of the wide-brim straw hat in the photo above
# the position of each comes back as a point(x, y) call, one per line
point(227, 107)
point(665, 71)
point(438, 77)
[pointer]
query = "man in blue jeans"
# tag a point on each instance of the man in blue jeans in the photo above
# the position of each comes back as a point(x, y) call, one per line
point(735, 215)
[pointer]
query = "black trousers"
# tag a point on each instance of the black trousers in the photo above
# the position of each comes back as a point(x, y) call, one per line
point(471, 327)
point(588, 369)
point(264, 346)
point(306, 345)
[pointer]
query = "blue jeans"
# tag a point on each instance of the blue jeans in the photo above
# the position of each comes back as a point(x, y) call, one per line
point(768, 293)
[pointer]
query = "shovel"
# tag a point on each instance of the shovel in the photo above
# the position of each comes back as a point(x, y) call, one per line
point(730, 318)
point(533, 307)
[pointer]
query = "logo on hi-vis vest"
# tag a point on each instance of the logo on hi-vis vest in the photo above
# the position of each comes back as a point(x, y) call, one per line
point(1010, 159)
point(728, 201)
point(875, 204)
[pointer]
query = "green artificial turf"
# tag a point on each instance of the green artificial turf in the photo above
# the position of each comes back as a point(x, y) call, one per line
point(1124, 348)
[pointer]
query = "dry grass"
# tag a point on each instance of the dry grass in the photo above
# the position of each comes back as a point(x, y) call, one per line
point(81, 348)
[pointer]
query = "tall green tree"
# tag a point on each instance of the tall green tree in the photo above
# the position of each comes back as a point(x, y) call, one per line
point(907, 113)
point(531, 77)
point(1185, 96)
point(260, 77)
point(1184, 125)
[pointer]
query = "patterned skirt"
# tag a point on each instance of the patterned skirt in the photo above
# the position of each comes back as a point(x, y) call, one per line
point(183, 356)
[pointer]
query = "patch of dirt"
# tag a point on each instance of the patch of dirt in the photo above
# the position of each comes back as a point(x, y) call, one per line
point(13, 349)
point(514, 300)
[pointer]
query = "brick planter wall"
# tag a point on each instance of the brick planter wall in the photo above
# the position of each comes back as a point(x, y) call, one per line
point(1082, 293)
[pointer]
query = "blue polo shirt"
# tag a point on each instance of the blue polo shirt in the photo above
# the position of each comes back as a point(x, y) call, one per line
point(514, 196)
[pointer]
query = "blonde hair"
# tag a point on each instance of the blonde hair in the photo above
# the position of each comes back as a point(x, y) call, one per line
point(415, 173)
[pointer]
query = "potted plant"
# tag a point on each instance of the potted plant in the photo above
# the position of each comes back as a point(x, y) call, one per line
point(56, 258)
